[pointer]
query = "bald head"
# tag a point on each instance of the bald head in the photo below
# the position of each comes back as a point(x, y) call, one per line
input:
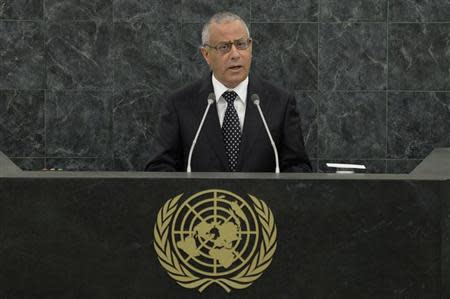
point(220, 18)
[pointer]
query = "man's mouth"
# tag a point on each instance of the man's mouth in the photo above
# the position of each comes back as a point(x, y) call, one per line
point(235, 68)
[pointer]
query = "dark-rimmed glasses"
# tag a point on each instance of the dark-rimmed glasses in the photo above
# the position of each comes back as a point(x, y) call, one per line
point(225, 47)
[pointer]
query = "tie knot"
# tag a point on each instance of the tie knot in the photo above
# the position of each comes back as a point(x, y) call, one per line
point(229, 96)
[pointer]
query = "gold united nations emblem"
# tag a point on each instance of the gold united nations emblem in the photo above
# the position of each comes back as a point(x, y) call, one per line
point(215, 236)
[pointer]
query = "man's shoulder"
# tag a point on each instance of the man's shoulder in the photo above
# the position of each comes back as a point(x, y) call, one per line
point(189, 89)
point(270, 88)
point(275, 86)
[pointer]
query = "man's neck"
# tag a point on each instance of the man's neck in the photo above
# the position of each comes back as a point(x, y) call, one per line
point(240, 88)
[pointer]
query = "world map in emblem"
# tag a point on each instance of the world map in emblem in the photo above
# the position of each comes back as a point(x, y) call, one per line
point(215, 233)
point(215, 236)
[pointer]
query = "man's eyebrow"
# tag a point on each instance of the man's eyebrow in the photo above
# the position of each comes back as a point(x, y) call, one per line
point(231, 40)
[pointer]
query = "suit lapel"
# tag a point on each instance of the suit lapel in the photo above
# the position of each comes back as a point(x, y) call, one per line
point(253, 124)
point(211, 127)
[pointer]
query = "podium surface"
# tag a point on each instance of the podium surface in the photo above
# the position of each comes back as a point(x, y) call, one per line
point(92, 234)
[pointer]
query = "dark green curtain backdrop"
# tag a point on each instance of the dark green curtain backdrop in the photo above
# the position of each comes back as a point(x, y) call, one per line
point(81, 81)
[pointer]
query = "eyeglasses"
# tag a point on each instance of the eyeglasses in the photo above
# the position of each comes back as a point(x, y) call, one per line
point(225, 47)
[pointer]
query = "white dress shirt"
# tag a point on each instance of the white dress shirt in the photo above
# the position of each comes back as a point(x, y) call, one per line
point(239, 103)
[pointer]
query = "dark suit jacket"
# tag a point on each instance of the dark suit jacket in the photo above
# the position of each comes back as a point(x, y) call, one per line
point(180, 117)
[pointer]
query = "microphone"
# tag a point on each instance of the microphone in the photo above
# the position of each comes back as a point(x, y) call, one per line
point(255, 100)
point(211, 98)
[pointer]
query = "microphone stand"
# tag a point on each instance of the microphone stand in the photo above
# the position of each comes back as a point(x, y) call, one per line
point(255, 99)
point(211, 98)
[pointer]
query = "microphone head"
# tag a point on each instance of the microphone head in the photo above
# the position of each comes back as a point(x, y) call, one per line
point(255, 99)
point(211, 98)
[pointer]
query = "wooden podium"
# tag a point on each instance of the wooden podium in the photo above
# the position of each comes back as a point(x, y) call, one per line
point(91, 234)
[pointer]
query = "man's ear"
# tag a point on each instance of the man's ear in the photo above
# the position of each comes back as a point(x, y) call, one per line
point(205, 54)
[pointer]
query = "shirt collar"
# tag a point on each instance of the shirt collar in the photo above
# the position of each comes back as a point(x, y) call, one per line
point(240, 89)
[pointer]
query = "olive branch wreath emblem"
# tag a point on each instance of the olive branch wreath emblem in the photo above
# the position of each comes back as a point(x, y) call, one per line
point(243, 278)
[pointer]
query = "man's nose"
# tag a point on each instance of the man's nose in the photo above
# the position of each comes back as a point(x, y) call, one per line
point(234, 52)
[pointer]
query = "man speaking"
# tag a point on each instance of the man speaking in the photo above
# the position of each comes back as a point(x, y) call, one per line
point(231, 120)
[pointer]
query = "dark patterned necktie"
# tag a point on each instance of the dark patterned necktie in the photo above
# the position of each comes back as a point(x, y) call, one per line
point(231, 130)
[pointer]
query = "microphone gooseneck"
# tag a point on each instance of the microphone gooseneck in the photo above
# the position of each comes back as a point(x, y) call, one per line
point(211, 99)
point(255, 100)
